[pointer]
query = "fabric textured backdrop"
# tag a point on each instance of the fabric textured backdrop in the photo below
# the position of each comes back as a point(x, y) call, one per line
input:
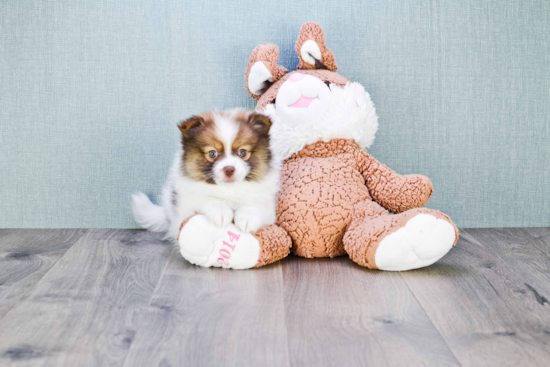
point(91, 92)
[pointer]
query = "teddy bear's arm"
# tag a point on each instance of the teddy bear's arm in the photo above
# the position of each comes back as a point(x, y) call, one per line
point(394, 192)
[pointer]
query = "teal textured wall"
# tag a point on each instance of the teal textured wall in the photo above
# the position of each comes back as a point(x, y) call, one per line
point(91, 91)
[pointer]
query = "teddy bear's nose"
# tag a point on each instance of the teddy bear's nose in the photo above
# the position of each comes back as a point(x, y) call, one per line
point(296, 77)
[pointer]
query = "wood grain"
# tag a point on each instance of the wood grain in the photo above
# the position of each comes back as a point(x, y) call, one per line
point(338, 313)
point(214, 317)
point(126, 297)
point(540, 238)
point(87, 308)
point(25, 256)
point(526, 254)
point(482, 306)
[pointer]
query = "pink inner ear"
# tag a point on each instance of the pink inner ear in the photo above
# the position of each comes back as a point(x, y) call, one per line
point(303, 102)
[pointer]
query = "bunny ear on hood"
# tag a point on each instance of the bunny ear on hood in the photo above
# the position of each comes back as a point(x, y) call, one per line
point(262, 70)
point(312, 49)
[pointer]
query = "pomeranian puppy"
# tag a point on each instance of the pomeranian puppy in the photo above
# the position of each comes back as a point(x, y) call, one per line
point(223, 169)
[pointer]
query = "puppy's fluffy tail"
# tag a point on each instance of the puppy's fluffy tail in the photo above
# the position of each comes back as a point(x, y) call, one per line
point(149, 215)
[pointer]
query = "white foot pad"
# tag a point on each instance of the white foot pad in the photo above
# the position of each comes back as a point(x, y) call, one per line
point(421, 242)
point(205, 244)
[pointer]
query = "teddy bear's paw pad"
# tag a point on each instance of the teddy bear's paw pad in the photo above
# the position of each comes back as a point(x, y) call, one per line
point(421, 242)
point(197, 238)
point(205, 244)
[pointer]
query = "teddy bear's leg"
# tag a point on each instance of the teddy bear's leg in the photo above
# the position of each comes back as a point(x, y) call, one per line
point(275, 244)
point(205, 244)
point(410, 240)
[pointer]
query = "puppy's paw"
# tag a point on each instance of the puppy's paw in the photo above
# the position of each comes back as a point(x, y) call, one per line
point(248, 219)
point(220, 214)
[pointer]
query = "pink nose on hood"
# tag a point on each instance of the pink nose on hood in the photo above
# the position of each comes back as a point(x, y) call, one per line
point(296, 77)
point(303, 102)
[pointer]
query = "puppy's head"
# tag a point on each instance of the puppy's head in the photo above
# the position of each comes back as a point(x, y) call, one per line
point(226, 147)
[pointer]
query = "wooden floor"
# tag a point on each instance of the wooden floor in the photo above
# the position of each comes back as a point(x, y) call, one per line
point(127, 298)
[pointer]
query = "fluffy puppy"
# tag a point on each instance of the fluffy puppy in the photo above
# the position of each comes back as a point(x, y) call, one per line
point(224, 170)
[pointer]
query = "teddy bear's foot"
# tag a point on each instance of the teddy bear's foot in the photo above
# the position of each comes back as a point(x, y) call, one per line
point(205, 244)
point(410, 240)
point(421, 242)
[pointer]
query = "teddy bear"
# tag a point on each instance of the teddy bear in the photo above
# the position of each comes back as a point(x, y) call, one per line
point(335, 199)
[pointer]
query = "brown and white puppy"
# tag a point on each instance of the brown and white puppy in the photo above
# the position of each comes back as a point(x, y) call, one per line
point(223, 170)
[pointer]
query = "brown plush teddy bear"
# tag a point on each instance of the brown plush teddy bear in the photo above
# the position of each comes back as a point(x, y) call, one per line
point(335, 199)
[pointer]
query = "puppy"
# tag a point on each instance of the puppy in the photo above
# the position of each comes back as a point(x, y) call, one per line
point(223, 169)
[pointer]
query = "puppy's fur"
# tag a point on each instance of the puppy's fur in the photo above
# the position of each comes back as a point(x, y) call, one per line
point(224, 170)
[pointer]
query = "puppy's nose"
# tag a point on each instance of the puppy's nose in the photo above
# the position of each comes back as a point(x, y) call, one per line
point(229, 170)
point(296, 77)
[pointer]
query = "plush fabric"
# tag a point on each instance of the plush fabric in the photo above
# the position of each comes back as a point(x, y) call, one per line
point(203, 243)
point(349, 114)
point(268, 55)
point(324, 183)
point(325, 75)
point(274, 244)
point(367, 232)
point(335, 198)
point(312, 31)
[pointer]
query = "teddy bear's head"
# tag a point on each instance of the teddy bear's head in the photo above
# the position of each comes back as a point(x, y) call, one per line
point(312, 103)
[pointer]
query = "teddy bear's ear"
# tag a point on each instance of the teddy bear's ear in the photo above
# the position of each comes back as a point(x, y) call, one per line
point(312, 50)
point(262, 70)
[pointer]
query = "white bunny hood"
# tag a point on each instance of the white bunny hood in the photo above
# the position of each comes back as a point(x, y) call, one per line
point(349, 114)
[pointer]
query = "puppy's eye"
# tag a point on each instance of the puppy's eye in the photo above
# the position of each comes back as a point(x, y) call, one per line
point(212, 154)
point(242, 153)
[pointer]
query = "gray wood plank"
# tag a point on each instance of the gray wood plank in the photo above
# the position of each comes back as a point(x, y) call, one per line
point(87, 308)
point(482, 306)
point(341, 314)
point(523, 252)
point(25, 256)
point(213, 317)
point(540, 238)
point(90, 304)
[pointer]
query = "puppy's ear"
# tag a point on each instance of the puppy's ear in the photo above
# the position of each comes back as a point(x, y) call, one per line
point(186, 127)
point(260, 123)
